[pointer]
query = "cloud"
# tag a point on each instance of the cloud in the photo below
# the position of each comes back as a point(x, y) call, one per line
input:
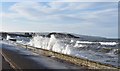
point(57, 10)
point(60, 0)
point(43, 11)
point(77, 17)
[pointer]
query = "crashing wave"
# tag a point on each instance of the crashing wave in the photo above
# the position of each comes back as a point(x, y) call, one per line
point(74, 47)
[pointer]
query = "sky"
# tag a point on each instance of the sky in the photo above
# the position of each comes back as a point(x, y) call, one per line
point(86, 18)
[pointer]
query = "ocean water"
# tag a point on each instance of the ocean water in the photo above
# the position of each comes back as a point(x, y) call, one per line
point(104, 52)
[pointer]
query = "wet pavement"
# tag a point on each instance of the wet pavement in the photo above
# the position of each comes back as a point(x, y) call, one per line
point(24, 59)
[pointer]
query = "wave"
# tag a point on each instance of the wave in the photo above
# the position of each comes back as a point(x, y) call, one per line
point(105, 52)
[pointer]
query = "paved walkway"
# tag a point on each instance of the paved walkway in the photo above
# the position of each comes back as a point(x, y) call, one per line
point(24, 59)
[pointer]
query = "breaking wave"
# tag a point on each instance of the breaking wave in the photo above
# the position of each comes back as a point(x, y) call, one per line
point(83, 49)
point(104, 52)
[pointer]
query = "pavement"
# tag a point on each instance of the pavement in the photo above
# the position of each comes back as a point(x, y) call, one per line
point(20, 58)
point(5, 65)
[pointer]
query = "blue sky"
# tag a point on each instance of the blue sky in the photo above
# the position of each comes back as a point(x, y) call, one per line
point(87, 18)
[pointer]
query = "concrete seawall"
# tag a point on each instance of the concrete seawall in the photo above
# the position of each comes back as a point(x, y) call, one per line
point(72, 59)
